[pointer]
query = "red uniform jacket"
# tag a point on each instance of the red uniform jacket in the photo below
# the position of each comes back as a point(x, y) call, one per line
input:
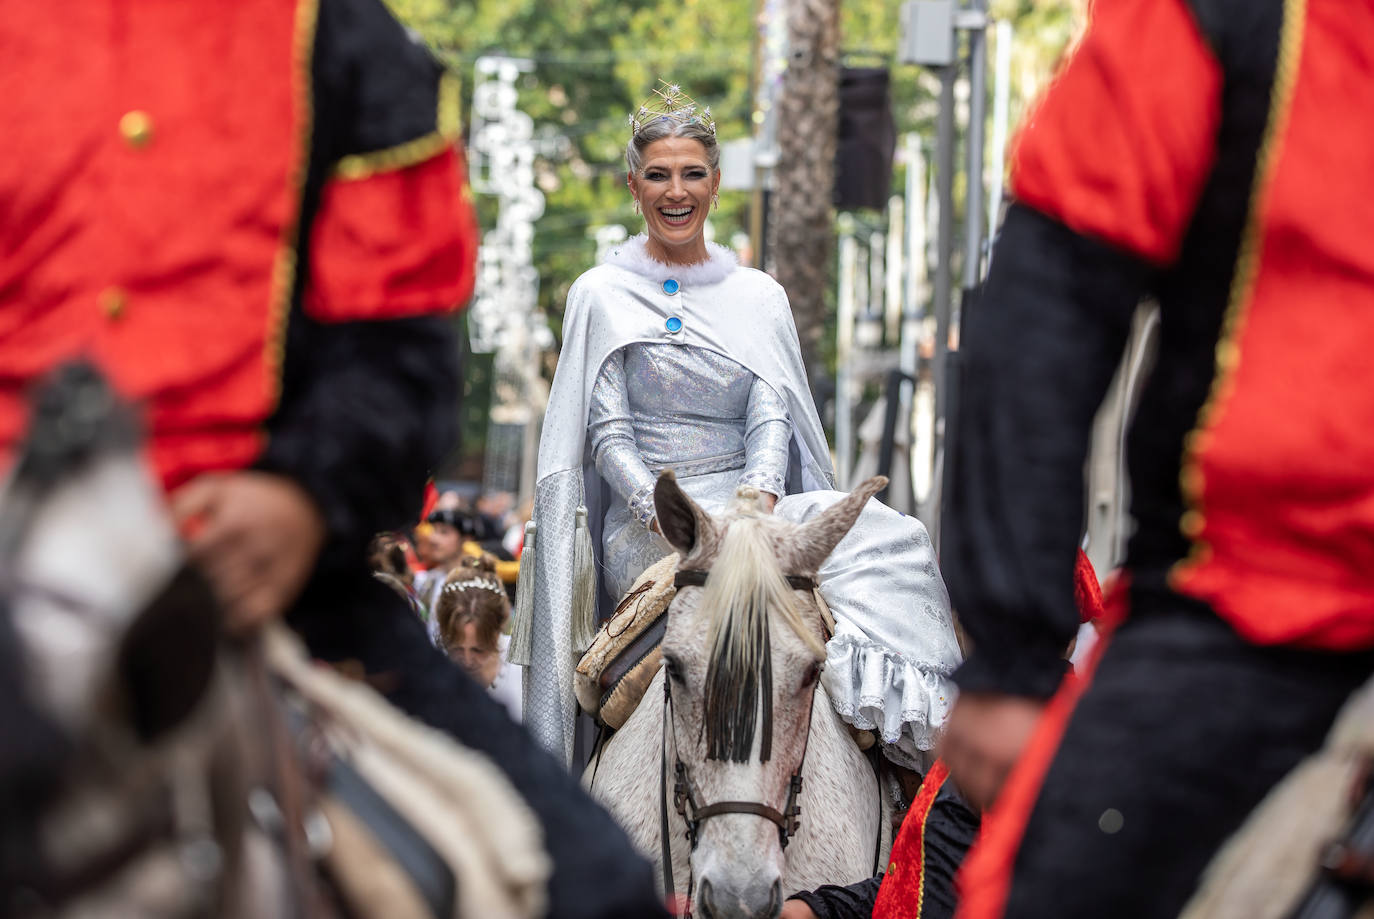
point(169, 229)
point(1207, 154)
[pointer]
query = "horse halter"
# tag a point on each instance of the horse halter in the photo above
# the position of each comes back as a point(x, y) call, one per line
point(694, 813)
point(685, 798)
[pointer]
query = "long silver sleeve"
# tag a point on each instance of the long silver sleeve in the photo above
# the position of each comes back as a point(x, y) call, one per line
point(767, 433)
point(610, 430)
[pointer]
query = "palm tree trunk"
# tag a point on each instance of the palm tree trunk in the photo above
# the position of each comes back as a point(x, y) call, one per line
point(801, 218)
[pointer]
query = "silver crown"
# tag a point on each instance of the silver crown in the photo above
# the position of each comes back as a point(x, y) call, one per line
point(473, 584)
point(669, 101)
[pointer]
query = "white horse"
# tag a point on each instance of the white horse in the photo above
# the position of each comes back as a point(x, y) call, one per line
point(760, 784)
point(149, 766)
point(111, 653)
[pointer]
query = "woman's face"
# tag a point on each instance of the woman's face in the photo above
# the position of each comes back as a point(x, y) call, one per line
point(674, 190)
point(479, 661)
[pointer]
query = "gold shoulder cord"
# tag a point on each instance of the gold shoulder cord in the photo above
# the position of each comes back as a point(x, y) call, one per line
point(448, 120)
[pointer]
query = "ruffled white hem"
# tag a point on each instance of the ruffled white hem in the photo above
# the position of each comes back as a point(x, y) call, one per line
point(633, 255)
point(876, 689)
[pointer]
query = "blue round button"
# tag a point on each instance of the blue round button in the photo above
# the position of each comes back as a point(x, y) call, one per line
point(673, 324)
point(671, 287)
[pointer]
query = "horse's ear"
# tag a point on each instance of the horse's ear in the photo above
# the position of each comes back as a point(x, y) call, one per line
point(683, 523)
point(815, 539)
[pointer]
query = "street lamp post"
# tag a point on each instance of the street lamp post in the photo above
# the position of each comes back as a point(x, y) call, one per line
point(930, 30)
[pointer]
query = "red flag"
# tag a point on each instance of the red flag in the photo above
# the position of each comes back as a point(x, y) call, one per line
point(431, 499)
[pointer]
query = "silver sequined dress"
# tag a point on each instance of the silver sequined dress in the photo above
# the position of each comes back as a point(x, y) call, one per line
point(662, 406)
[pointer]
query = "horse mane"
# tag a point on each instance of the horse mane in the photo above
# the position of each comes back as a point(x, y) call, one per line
point(746, 582)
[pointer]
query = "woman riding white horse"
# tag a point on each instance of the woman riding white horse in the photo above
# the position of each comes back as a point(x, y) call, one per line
point(770, 794)
point(676, 357)
point(673, 356)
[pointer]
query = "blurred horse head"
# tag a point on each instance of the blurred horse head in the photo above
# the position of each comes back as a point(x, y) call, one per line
point(151, 765)
point(92, 575)
point(120, 766)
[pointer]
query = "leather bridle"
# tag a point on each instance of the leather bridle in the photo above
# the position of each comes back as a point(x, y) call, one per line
point(686, 799)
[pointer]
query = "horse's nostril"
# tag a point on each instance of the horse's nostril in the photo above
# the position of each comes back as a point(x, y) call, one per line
point(775, 901)
point(706, 911)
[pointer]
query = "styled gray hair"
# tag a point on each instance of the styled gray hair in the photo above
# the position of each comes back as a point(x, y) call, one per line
point(667, 126)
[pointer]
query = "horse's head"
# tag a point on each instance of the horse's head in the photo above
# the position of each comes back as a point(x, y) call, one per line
point(102, 631)
point(742, 653)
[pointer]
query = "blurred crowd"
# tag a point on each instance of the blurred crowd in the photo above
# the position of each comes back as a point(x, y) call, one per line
point(457, 568)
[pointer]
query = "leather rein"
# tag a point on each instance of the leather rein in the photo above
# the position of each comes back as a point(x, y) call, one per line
point(686, 800)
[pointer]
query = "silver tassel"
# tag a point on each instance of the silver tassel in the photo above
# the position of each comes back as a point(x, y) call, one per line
point(522, 620)
point(583, 585)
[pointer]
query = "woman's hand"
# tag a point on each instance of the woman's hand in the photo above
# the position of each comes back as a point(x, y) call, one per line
point(768, 500)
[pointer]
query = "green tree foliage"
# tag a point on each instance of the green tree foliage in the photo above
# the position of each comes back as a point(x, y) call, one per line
point(594, 61)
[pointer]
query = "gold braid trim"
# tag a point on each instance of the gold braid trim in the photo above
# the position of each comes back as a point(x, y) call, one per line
point(284, 270)
point(1191, 479)
point(450, 114)
point(448, 117)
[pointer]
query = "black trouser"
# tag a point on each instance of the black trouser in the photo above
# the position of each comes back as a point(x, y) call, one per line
point(596, 873)
point(1183, 731)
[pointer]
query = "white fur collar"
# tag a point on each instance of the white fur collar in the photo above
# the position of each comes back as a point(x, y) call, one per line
point(633, 255)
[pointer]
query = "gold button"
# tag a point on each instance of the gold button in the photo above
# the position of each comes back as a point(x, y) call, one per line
point(1228, 356)
point(137, 128)
point(113, 300)
point(1192, 524)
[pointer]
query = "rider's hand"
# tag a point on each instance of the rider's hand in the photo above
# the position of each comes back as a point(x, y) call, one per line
point(796, 909)
point(984, 737)
point(256, 537)
point(768, 500)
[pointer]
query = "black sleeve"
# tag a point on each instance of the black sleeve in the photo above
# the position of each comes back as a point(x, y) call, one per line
point(950, 831)
point(367, 409)
point(375, 84)
point(1037, 357)
point(852, 902)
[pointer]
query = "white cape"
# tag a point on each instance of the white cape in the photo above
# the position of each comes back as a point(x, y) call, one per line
point(888, 665)
point(738, 312)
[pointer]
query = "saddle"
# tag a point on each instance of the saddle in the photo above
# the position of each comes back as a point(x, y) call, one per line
point(420, 826)
point(290, 791)
point(1307, 851)
point(621, 662)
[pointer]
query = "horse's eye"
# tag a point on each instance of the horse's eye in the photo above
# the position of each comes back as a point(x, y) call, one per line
point(674, 669)
point(811, 674)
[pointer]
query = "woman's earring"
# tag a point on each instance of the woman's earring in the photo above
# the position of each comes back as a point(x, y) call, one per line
point(636, 207)
point(715, 201)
